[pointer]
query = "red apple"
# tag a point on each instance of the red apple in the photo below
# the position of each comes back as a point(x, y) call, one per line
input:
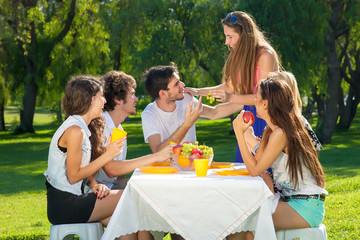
point(195, 156)
point(196, 150)
point(177, 149)
point(249, 116)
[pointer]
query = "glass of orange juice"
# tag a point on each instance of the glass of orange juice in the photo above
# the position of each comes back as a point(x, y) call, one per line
point(117, 134)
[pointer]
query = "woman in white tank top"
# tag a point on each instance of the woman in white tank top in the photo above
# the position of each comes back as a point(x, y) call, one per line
point(287, 148)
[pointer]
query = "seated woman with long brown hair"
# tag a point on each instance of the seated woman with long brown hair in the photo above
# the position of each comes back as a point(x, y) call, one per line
point(287, 148)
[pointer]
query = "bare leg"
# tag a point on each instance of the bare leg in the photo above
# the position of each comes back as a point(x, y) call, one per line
point(132, 236)
point(285, 217)
point(105, 207)
point(176, 237)
point(249, 236)
point(145, 235)
point(236, 236)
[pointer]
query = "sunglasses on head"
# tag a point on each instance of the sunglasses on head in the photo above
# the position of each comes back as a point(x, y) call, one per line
point(233, 18)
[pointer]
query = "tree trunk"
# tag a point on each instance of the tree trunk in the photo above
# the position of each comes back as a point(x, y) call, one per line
point(117, 58)
point(58, 113)
point(28, 106)
point(334, 80)
point(35, 53)
point(352, 102)
point(2, 115)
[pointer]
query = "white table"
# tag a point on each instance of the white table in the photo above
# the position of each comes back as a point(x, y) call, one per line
point(201, 208)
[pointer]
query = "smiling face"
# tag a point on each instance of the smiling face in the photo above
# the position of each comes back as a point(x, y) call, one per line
point(130, 102)
point(231, 36)
point(175, 88)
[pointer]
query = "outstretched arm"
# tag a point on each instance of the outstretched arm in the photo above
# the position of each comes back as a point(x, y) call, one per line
point(204, 91)
point(220, 110)
point(118, 168)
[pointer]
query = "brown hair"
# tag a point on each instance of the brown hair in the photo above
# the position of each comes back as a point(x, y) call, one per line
point(282, 114)
point(79, 92)
point(157, 78)
point(244, 57)
point(116, 85)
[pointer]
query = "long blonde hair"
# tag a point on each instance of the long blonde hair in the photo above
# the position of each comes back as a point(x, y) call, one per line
point(244, 57)
point(290, 79)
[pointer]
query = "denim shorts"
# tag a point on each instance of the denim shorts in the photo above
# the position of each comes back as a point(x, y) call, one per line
point(312, 210)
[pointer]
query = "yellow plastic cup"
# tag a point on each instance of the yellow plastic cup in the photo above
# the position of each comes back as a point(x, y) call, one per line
point(201, 167)
point(117, 134)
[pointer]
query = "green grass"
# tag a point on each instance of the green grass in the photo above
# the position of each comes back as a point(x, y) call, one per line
point(23, 159)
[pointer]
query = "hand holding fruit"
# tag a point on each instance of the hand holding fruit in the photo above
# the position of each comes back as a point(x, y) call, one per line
point(114, 149)
point(220, 95)
point(249, 116)
point(239, 123)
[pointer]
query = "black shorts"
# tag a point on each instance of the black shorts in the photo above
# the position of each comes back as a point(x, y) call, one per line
point(64, 207)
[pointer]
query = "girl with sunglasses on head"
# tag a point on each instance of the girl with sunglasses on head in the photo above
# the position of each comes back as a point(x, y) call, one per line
point(251, 58)
point(287, 148)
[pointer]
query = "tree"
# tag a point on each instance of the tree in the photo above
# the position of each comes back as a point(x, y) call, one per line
point(84, 50)
point(28, 21)
point(343, 62)
point(350, 64)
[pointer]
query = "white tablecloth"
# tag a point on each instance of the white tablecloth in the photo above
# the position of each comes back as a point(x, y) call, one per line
point(201, 208)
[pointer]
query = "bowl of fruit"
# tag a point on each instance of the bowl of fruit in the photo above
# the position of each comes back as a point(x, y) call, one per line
point(185, 154)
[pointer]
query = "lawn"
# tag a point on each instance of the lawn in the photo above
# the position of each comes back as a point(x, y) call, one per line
point(23, 159)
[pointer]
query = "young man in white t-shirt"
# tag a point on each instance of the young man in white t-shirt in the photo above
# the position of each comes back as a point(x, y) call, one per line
point(119, 92)
point(171, 117)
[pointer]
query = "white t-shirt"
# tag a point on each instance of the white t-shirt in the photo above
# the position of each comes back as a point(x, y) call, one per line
point(101, 176)
point(156, 121)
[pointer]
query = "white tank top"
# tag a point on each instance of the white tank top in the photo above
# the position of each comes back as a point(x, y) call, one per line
point(282, 180)
point(56, 173)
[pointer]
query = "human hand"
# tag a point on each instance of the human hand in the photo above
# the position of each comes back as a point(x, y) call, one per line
point(239, 125)
point(114, 149)
point(193, 114)
point(100, 190)
point(192, 91)
point(220, 95)
point(165, 153)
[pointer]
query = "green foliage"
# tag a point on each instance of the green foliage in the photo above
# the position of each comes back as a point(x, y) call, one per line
point(297, 35)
